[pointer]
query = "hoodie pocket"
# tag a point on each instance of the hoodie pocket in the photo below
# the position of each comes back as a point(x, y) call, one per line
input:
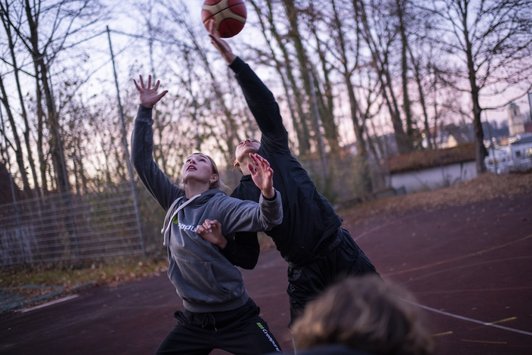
point(204, 282)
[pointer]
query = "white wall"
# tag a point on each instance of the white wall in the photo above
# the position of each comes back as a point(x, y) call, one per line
point(433, 178)
point(521, 156)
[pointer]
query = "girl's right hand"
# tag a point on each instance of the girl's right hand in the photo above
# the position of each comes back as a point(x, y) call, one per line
point(149, 95)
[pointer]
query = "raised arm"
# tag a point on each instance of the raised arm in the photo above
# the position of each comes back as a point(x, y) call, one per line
point(149, 95)
point(247, 216)
point(157, 183)
point(259, 98)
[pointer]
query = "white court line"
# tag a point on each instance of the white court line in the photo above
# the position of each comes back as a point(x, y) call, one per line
point(519, 331)
point(67, 298)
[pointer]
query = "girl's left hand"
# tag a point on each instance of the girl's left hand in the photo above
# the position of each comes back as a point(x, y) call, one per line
point(262, 175)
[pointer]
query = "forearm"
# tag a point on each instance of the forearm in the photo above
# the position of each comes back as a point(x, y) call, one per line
point(157, 183)
point(260, 99)
point(271, 210)
point(248, 216)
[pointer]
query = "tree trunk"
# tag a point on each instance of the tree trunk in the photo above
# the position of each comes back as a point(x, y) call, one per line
point(404, 70)
point(18, 146)
point(422, 101)
point(304, 138)
point(480, 150)
point(305, 67)
point(56, 143)
point(26, 131)
point(353, 102)
point(380, 61)
point(325, 99)
point(40, 133)
point(286, 79)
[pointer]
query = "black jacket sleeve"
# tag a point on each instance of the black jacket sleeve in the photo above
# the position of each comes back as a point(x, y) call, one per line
point(242, 250)
point(262, 105)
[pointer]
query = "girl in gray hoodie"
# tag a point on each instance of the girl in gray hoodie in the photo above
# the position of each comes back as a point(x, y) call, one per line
point(218, 313)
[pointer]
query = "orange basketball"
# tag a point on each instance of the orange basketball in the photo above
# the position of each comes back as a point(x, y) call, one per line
point(229, 16)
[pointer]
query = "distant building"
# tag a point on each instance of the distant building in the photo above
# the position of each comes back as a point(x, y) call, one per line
point(457, 134)
point(516, 120)
point(431, 169)
point(499, 160)
point(515, 156)
point(521, 152)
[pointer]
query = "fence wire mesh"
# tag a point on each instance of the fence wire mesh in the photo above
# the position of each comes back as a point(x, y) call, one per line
point(70, 228)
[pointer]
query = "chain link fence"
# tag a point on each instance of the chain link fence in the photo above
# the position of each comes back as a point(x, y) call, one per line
point(73, 228)
point(70, 228)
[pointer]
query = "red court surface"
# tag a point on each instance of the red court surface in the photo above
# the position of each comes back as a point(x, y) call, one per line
point(470, 268)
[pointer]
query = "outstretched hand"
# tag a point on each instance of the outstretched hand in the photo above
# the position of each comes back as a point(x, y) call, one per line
point(211, 231)
point(149, 95)
point(262, 174)
point(218, 43)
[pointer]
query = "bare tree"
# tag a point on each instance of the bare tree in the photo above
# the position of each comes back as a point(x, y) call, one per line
point(380, 38)
point(223, 113)
point(42, 30)
point(315, 18)
point(23, 112)
point(348, 63)
point(309, 83)
point(286, 68)
point(492, 40)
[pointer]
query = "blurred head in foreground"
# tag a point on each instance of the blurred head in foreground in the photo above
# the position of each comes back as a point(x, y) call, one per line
point(365, 314)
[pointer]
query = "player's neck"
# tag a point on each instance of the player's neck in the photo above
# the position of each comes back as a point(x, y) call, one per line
point(194, 187)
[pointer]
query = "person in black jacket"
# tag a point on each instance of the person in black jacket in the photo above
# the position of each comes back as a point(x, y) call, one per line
point(310, 238)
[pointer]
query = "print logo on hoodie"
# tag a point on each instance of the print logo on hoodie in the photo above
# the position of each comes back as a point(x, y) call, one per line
point(187, 227)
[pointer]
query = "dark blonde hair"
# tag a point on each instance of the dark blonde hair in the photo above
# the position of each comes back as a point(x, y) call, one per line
point(367, 314)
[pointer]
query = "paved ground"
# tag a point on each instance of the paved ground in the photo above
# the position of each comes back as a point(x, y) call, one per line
point(469, 267)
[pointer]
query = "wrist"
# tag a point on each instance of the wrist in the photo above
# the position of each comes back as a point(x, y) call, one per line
point(268, 194)
point(230, 58)
point(222, 243)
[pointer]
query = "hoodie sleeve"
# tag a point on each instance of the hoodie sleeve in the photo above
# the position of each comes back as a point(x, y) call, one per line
point(157, 183)
point(248, 216)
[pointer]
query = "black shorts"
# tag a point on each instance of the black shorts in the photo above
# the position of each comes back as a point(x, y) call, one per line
point(305, 282)
point(240, 331)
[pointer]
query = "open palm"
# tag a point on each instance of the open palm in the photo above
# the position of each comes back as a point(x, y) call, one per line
point(148, 95)
point(262, 174)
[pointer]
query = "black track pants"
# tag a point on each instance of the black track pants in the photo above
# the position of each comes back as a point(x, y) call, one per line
point(306, 282)
point(239, 331)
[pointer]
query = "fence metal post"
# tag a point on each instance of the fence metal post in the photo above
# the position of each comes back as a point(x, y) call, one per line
point(125, 145)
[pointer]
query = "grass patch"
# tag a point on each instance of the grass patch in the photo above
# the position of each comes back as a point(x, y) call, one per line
point(483, 188)
point(34, 281)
